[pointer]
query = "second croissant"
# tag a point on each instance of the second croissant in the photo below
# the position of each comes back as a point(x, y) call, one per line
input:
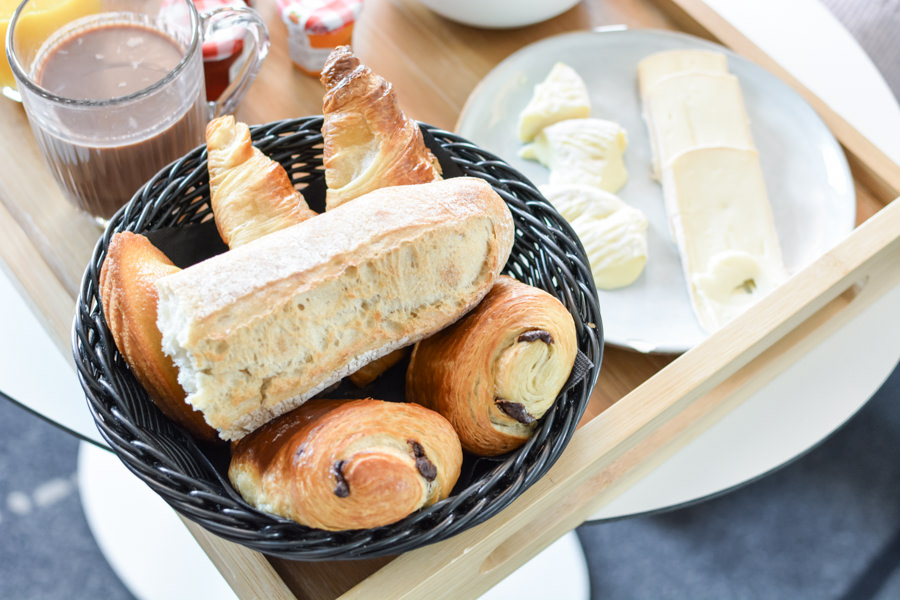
point(369, 142)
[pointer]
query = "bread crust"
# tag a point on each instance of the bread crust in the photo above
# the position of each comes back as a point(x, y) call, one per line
point(369, 142)
point(348, 464)
point(258, 330)
point(494, 373)
point(251, 195)
point(128, 295)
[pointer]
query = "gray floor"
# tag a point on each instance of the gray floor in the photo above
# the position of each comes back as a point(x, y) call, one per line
point(875, 24)
point(825, 527)
point(47, 551)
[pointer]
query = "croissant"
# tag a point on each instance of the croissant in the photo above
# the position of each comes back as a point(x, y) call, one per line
point(250, 194)
point(369, 142)
point(129, 299)
point(498, 370)
point(347, 464)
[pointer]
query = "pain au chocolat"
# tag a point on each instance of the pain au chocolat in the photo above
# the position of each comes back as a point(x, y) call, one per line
point(498, 370)
point(348, 464)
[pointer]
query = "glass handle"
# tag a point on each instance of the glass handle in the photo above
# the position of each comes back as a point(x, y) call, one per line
point(254, 28)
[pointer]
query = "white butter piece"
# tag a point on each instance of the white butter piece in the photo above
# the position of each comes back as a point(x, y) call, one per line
point(573, 200)
point(562, 95)
point(587, 151)
point(695, 110)
point(722, 222)
point(614, 235)
point(661, 65)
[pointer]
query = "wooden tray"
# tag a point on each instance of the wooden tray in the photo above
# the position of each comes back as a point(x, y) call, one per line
point(644, 407)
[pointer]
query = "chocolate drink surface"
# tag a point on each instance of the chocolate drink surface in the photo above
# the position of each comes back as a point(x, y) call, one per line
point(102, 157)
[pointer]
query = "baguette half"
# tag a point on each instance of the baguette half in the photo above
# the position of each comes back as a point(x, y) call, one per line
point(260, 329)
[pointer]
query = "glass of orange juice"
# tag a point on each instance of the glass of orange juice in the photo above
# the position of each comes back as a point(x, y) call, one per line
point(41, 18)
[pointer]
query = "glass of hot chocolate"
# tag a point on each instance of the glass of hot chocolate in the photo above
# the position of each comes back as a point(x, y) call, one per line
point(116, 95)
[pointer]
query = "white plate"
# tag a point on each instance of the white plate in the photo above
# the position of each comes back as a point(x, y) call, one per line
point(808, 180)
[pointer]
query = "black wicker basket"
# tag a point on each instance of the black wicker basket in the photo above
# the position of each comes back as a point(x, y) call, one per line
point(191, 476)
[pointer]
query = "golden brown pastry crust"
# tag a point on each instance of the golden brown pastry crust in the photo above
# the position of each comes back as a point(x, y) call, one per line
point(375, 369)
point(251, 194)
point(497, 370)
point(369, 142)
point(348, 464)
point(128, 295)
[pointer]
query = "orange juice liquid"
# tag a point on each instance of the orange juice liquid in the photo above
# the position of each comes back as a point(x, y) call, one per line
point(40, 19)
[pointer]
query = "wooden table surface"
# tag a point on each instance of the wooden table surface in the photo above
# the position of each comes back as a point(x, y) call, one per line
point(434, 64)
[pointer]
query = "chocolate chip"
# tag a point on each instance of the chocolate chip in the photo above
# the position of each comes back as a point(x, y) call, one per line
point(417, 449)
point(425, 467)
point(536, 334)
point(342, 489)
point(516, 410)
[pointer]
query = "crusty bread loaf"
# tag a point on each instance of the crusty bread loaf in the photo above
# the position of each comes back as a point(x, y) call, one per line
point(258, 330)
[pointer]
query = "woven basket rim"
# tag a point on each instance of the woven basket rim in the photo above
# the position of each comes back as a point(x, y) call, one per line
point(188, 475)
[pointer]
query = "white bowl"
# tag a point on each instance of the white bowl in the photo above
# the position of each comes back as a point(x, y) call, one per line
point(499, 14)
